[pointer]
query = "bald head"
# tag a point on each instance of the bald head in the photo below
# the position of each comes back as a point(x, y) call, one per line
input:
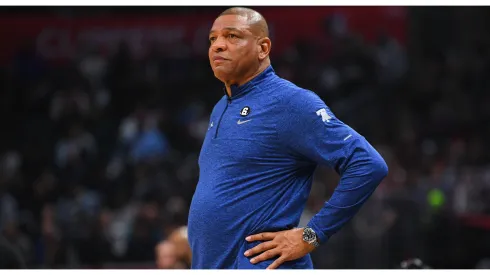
point(255, 20)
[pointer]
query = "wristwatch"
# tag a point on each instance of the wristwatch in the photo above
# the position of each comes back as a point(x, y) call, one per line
point(310, 237)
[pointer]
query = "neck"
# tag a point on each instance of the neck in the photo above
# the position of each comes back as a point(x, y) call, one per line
point(244, 80)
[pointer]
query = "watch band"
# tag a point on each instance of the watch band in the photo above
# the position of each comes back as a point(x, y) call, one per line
point(309, 236)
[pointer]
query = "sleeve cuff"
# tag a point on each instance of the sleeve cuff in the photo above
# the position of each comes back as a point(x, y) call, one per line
point(322, 238)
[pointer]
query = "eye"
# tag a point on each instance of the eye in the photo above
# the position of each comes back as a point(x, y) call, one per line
point(212, 39)
point(232, 36)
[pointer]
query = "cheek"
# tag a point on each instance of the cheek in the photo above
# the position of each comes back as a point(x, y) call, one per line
point(209, 54)
point(249, 56)
point(245, 54)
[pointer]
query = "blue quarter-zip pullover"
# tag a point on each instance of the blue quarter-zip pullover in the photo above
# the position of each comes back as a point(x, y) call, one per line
point(256, 167)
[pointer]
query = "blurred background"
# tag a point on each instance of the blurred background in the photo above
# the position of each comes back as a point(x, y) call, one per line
point(103, 111)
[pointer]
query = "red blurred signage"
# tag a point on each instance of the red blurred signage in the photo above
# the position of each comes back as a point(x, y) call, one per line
point(59, 38)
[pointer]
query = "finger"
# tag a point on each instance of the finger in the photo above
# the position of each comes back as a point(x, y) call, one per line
point(266, 236)
point(265, 256)
point(260, 248)
point(277, 263)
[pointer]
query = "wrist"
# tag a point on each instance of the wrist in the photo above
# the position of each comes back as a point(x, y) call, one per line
point(310, 236)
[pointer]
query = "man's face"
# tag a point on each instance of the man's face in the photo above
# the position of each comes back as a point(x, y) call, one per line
point(233, 50)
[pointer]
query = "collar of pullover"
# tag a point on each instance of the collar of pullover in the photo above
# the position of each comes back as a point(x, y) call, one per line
point(238, 91)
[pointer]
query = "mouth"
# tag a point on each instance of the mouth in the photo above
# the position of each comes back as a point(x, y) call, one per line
point(219, 59)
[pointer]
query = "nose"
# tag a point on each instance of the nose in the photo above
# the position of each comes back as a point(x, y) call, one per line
point(219, 44)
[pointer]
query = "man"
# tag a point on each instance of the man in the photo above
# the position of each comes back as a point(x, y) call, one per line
point(265, 138)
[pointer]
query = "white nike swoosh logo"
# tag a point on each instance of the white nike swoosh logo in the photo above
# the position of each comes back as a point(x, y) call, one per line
point(242, 121)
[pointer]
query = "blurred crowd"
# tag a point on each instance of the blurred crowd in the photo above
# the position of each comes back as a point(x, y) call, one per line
point(98, 156)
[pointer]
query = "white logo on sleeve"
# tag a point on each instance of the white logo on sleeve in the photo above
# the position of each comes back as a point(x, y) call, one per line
point(323, 113)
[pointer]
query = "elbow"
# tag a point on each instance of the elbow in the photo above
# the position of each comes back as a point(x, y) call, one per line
point(380, 169)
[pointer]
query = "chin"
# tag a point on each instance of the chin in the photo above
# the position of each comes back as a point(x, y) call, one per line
point(222, 73)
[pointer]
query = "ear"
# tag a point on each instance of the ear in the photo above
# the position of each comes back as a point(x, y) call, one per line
point(264, 45)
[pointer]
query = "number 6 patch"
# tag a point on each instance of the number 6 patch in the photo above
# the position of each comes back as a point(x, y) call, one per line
point(245, 111)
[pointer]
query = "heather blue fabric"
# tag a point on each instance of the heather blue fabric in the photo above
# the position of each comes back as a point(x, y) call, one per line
point(256, 171)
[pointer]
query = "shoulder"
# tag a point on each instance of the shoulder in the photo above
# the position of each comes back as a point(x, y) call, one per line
point(302, 98)
point(295, 99)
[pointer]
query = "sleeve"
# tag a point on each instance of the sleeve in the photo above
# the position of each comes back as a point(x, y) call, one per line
point(311, 131)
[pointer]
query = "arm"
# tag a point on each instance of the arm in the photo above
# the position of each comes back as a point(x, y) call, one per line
point(363, 170)
point(323, 139)
point(312, 135)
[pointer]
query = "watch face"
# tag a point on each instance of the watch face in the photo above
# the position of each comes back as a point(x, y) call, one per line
point(308, 235)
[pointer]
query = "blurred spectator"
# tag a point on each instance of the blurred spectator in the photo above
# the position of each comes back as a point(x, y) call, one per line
point(167, 256)
point(77, 147)
point(174, 253)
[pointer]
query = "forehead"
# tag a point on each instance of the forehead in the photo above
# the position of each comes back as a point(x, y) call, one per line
point(230, 22)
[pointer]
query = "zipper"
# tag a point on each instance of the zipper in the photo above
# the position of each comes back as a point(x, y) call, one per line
point(221, 117)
